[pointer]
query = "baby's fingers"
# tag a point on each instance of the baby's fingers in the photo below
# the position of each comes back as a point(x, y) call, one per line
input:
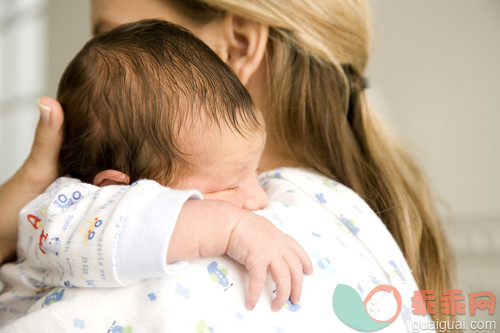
point(255, 286)
point(281, 276)
point(305, 260)
point(297, 278)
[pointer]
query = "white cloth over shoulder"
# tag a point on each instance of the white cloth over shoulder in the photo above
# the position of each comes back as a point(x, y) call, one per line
point(347, 242)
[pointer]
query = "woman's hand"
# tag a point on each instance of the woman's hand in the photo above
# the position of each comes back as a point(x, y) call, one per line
point(37, 172)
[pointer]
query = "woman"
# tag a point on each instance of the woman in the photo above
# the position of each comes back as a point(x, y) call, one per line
point(303, 64)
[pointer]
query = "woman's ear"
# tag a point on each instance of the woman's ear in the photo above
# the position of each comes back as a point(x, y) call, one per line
point(246, 45)
point(111, 177)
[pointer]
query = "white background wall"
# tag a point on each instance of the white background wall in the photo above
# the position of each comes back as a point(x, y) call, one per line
point(37, 40)
point(23, 73)
point(434, 75)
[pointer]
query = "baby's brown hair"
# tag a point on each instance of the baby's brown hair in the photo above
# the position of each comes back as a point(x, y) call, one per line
point(128, 92)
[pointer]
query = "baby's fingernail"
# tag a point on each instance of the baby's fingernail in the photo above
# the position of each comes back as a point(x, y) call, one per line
point(44, 111)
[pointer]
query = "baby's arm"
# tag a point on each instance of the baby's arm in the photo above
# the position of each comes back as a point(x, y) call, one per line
point(117, 235)
point(81, 235)
point(212, 228)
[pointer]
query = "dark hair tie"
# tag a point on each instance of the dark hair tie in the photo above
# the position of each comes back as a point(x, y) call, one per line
point(356, 82)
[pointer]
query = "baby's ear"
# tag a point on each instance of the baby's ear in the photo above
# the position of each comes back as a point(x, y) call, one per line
point(111, 177)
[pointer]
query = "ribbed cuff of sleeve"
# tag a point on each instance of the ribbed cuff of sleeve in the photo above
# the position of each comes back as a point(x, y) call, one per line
point(144, 239)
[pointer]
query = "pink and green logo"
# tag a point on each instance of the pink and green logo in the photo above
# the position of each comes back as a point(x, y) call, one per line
point(379, 309)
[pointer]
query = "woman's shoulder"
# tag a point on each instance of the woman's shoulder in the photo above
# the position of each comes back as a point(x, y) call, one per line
point(300, 184)
point(345, 237)
point(305, 178)
point(306, 192)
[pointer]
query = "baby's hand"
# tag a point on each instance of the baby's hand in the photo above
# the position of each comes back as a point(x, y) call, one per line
point(258, 245)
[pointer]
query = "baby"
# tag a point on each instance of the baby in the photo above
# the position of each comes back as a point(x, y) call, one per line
point(150, 104)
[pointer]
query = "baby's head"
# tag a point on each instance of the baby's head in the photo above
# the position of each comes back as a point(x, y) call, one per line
point(150, 100)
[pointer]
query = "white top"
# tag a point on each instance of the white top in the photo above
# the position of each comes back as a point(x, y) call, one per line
point(77, 234)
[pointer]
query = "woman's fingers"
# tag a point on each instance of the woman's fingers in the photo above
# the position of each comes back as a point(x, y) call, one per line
point(48, 135)
point(37, 172)
point(41, 164)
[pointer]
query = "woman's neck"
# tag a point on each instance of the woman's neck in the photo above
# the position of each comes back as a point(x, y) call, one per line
point(274, 157)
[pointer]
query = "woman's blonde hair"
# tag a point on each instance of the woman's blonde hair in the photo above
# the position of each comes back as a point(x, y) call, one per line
point(317, 54)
